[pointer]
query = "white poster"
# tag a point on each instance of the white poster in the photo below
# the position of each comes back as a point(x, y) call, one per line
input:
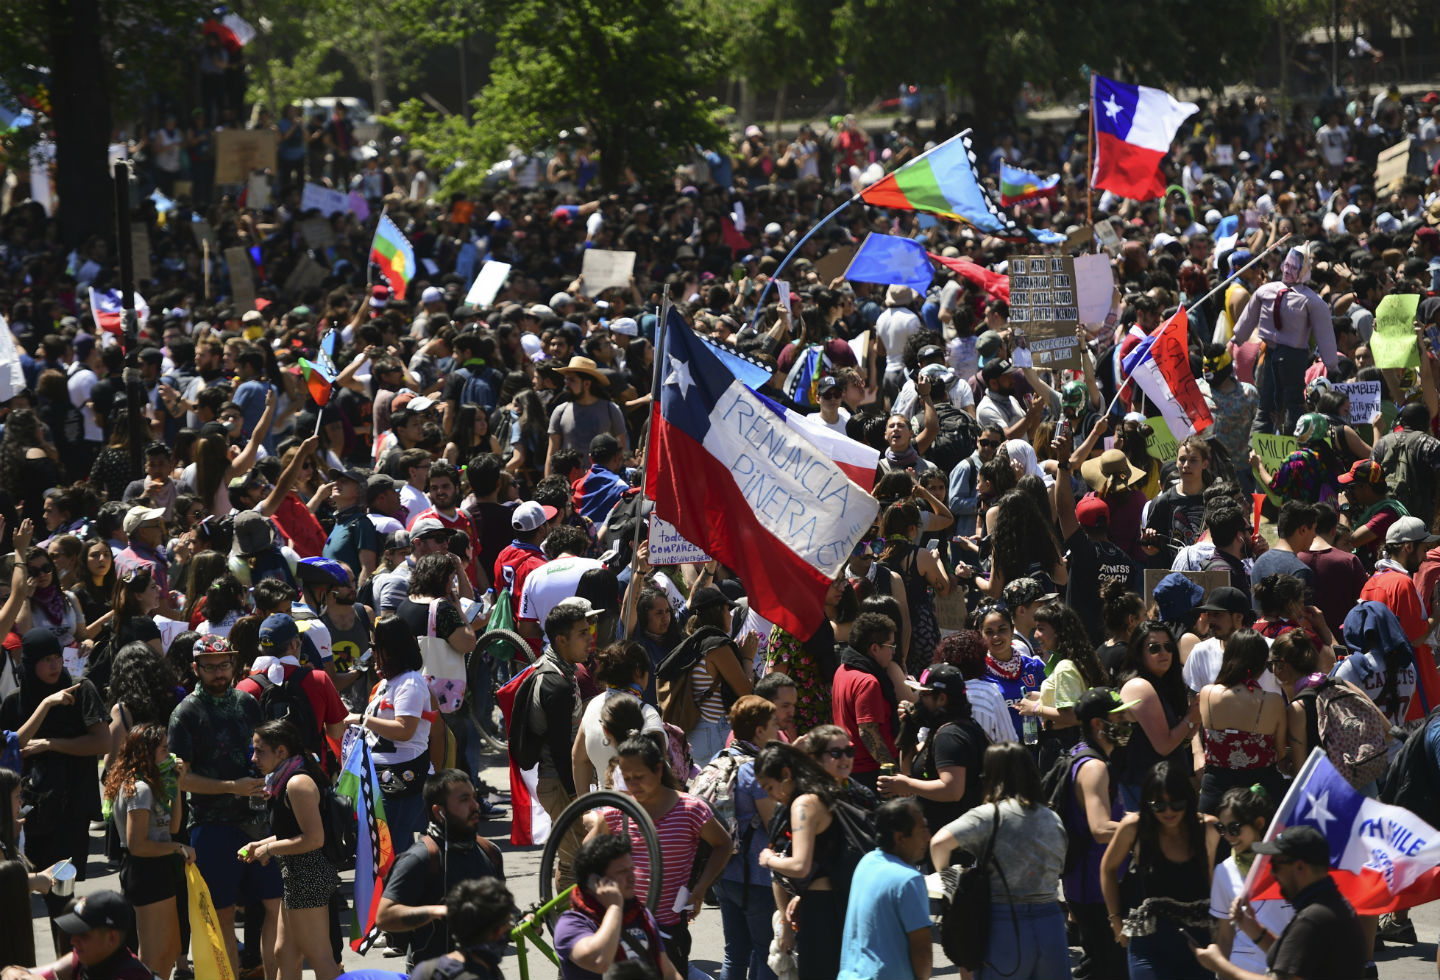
point(1364, 400)
point(12, 377)
point(667, 547)
point(488, 283)
point(257, 197)
point(1095, 287)
point(326, 201)
point(604, 269)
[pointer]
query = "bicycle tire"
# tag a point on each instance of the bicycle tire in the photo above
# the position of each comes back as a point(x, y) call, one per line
point(503, 647)
point(584, 804)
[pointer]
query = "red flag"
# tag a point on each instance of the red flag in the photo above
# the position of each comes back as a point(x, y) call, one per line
point(732, 237)
point(995, 284)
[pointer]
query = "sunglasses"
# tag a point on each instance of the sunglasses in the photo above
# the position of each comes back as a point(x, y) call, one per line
point(42, 570)
point(989, 443)
point(1157, 647)
point(1174, 806)
point(832, 393)
point(871, 546)
point(1230, 829)
point(848, 752)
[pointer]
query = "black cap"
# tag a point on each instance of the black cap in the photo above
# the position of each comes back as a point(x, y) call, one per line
point(946, 678)
point(350, 473)
point(707, 596)
point(996, 369)
point(1301, 841)
point(1100, 702)
point(930, 352)
point(378, 483)
point(827, 384)
point(1226, 599)
point(98, 910)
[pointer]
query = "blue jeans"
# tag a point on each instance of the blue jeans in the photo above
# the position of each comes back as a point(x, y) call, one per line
point(706, 739)
point(406, 817)
point(1164, 956)
point(1281, 380)
point(1041, 951)
point(747, 929)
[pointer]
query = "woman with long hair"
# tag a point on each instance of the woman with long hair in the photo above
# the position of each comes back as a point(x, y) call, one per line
point(1281, 599)
point(12, 818)
point(17, 945)
point(148, 815)
point(52, 607)
point(1121, 611)
point(397, 715)
point(804, 857)
point(1027, 925)
point(811, 663)
point(1165, 718)
point(66, 551)
point(226, 600)
point(924, 578)
point(293, 784)
point(96, 580)
point(624, 669)
point(528, 436)
point(471, 435)
point(110, 473)
point(834, 751)
point(29, 465)
point(1244, 814)
point(214, 468)
point(206, 567)
point(1164, 896)
point(1022, 544)
point(143, 691)
point(721, 674)
point(1242, 726)
point(1074, 669)
point(1015, 674)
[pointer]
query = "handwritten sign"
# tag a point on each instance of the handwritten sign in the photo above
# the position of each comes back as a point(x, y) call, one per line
point(1394, 343)
point(488, 283)
point(667, 547)
point(1390, 166)
point(239, 152)
point(1044, 305)
point(1273, 449)
point(1364, 400)
point(324, 200)
point(606, 269)
point(242, 279)
point(1161, 443)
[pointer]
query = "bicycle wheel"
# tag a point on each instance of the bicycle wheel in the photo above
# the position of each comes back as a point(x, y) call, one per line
point(584, 804)
point(500, 650)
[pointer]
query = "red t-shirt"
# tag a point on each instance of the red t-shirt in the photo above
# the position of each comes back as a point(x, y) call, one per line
point(318, 687)
point(523, 561)
point(856, 700)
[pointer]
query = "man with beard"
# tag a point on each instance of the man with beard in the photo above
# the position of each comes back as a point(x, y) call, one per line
point(451, 851)
point(445, 508)
point(349, 624)
point(1323, 940)
point(945, 773)
point(1225, 611)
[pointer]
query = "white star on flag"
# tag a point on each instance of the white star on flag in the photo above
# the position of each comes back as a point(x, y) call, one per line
point(1319, 808)
point(1112, 108)
point(679, 375)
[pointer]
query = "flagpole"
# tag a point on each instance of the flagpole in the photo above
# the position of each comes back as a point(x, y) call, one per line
point(760, 303)
point(1190, 306)
point(1090, 165)
point(320, 409)
point(660, 331)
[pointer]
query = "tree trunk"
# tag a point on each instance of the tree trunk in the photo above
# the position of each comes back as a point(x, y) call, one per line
point(747, 102)
point(81, 104)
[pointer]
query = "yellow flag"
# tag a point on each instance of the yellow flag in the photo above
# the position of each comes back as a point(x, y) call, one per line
point(207, 943)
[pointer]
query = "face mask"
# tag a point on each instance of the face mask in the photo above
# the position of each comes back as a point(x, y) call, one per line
point(1117, 733)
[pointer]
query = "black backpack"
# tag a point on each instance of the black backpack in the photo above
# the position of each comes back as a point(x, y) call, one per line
point(1413, 778)
point(1058, 787)
point(288, 700)
point(959, 435)
point(857, 839)
point(342, 829)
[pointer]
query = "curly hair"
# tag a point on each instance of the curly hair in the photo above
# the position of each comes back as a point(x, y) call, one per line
point(966, 650)
point(144, 682)
point(1072, 642)
point(136, 760)
point(22, 432)
point(1018, 543)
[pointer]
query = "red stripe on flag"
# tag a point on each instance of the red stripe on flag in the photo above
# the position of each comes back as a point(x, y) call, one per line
point(1128, 170)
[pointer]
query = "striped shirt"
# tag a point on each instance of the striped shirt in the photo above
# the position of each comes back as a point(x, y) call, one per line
point(679, 833)
point(706, 687)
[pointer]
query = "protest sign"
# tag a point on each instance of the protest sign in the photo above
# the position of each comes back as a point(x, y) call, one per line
point(1364, 400)
point(242, 279)
point(1394, 343)
point(238, 152)
point(1094, 288)
point(1081, 237)
point(1208, 581)
point(1391, 165)
point(604, 269)
point(358, 206)
point(140, 253)
point(1273, 449)
point(1108, 237)
point(203, 233)
point(324, 200)
point(1043, 305)
point(782, 287)
point(257, 193)
point(12, 375)
point(487, 284)
point(834, 263)
point(307, 274)
point(317, 233)
point(1161, 443)
point(667, 547)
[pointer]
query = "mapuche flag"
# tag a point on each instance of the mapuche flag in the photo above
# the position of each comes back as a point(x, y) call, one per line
point(394, 254)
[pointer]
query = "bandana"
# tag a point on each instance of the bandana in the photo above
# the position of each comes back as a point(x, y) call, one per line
point(903, 460)
point(275, 782)
point(1008, 669)
point(634, 912)
point(52, 600)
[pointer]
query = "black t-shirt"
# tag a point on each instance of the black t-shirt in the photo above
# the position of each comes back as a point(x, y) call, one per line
point(411, 883)
point(417, 616)
point(1094, 564)
point(955, 744)
point(1178, 515)
point(1111, 655)
point(1324, 939)
point(213, 735)
point(70, 777)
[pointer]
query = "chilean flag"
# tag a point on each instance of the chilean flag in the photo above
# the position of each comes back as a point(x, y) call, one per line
point(109, 314)
point(995, 284)
point(529, 821)
point(749, 489)
point(1382, 857)
point(1160, 366)
point(856, 458)
point(1134, 127)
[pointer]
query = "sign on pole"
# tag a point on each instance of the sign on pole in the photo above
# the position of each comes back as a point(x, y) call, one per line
point(239, 152)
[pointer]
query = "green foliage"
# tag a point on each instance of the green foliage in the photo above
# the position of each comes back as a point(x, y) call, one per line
point(772, 42)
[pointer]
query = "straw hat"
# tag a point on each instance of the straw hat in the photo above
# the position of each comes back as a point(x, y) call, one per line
point(583, 365)
point(1110, 468)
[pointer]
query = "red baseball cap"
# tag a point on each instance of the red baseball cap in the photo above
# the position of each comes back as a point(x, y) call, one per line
point(1363, 471)
point(1091, 510)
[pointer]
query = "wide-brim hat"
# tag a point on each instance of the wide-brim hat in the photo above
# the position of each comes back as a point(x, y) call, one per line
point(1111, 467)
point(583, 365)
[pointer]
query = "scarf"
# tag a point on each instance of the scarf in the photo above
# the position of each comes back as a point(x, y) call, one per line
point(273, 667)
point(1243, 861)
point(905, 460)
point(1388, 564)
point(855, 660)
point(52, 601)
point(1008, 669)
point(634, 913)
point(275, 782)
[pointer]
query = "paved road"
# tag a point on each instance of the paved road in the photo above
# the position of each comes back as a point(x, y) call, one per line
point(523, 865)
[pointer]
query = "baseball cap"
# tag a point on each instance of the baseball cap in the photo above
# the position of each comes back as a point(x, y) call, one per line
point(1226, 599)
point(98, 910)
point(539, 310)
point(773, 228)
point(432, 294)
point(138, 517)
point(397, 541)
point(349, 473)
point(996, 369)
point(1301, 841)
point(277, 631)
point(1025, 590)
point(930, 352)
point(625, 326)
point(579, 603)
point(706, 597)
point(942, 677)
point(561, 299)
point(1099, 702)
point(1408, 529)
point(250, 478)
point(1091, 510)
point(827, 384)
point(988, 344)
point(938, 373)
point(427, 525)
point(1363, 471)
point(530, 515)
point(378, 483)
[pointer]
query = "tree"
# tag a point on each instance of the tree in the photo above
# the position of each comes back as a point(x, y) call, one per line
point(631, 74)
point(774, 43)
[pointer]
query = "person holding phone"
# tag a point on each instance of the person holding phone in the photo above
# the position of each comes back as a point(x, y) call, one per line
point(607, 922)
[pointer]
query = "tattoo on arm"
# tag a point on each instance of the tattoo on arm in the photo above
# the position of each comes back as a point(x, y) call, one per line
point(875, 745)
point(414, 918)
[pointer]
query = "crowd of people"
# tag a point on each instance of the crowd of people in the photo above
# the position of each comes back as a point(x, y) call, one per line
point(218, 575)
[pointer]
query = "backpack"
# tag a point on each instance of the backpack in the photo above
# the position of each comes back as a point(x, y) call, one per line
point(1409, 484)
point(1352, 730)
point(857, 839)
point(959, 435)
point(342, 829)
point(516, 699)
point(1414, 777)
point(674, 683)
point(715, 784)
point(1058, 788)
point(288, 700)
point(476, 391)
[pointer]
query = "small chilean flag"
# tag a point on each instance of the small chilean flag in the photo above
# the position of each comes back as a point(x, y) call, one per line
point(108, 312)
point(1160, 366)
point(1134, 127)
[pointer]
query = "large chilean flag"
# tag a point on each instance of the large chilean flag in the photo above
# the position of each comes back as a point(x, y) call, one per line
point(1134, 127)
point(750, 490)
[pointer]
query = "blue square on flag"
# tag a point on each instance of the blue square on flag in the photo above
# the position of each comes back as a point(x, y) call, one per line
point(1115, 104)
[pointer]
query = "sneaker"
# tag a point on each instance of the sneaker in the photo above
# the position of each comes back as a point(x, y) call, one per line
point(1396, 930)
point(392, 951)
point(490, 811)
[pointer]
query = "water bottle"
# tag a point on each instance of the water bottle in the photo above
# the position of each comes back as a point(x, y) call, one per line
point(1030, 726)
point(259, 805)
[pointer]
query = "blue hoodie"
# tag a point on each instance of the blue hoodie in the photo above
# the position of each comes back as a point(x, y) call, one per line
point(1371, 632)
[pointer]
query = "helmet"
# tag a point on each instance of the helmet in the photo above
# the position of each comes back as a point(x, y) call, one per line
point(1318, 384)
point(1073, 394)
point(1312, 427)
point(323, 571)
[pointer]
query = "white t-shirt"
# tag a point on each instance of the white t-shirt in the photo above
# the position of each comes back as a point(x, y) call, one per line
point(552, 582)
point(414, 500)
point(597, 746)
point(385, 525)
point(79, 385)
point(894, 327)
point(1272, 913)
point(1203, 666)
point(406, 696)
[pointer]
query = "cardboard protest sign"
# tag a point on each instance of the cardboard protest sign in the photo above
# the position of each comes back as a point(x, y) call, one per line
point(242, 279)
point(140, 253)
point(488, 283)
point(834, 263)
point(1094, 289)
point(667, 547)
point(307, 274)
point(203, 233)
point(1044, 306)
point(1273, 450)
point(1161, 443)
point(238, 152)
point(1364, 400)
point(257, 193)
point(1108, 237)
point(1081, 237)
point(1394, 343)
point(1209, 581)
point(323, 199)
point(1391, 165)
point(604, 269)
point(317, 233)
